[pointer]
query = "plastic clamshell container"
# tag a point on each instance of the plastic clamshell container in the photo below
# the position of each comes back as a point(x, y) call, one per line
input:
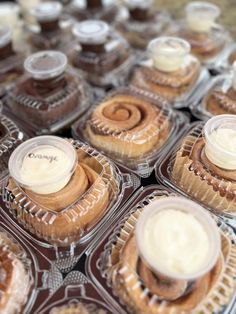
point(105, 10)
point(124, 284)
point(173, 85)
point(77, 294)
point(38, 277)
point(102, 55)
point(116, 127)
point(142, 22)
point(48, 97)
point(63, 235)
point(227, 60)
point(217, 91)
point(207, 191)
point(10, 137)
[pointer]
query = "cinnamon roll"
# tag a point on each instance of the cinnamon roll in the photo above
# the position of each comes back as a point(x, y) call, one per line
point(200, 174)
point(62, 211)
point(144, 291)
point(220, 102)
point(80, 308)
point(128, 126)
point(15, 278)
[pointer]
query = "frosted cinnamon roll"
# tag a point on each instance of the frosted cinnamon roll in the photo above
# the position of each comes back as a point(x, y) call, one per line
point(204, 166)
point(59, 206)
point(170, 72)
point(15, 278)
point(79, 308)
point(128, 126)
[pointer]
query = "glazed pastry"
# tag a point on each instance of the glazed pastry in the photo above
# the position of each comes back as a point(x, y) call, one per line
point(11, 62)
point(79, 308)
point(14, 274)
point(207, 39)
point(59, 206)
point(141, 22)
point(127, 125)
point(50, 34)
point(102, 55)
point(94, 10)
point(140, 287)
point(49, 95)
point(171, 72)
point(221, 98)
point(204, 165)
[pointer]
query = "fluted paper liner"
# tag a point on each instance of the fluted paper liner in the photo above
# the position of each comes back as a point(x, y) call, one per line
point(218, 296)
point(184, 174)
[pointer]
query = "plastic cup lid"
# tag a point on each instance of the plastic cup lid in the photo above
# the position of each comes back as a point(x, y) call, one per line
point(183, 205)
point(169, 46)
point(9, 7)
point(133, 4)
point(46, 64)
point(203, 9)
point(43, 161)
point(5, 36)
point(91, 31)
point(47, 11)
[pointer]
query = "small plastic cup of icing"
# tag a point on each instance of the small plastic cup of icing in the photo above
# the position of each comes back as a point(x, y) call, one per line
point(220, 141)
point(178, 239)
point(47, 11)
point(91, 32)
point(201, 16)
point(46, 64)
point(140, 4)
point(9, 14)
point(168, 53)
point(43, 164)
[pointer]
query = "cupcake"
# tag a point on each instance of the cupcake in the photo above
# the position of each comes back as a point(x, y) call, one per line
point(207, 39)
point(11, 61)
point(15, 276)
point(204, 166)
point(105, 10)
point(50, 34)
point(49, 96)
point(170, 72)
point(140, 22)
point(221, 98)
point(102, 55)
point(59, 190)
point(143, 266)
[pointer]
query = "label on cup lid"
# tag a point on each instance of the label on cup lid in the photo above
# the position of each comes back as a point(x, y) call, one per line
point(43, 164)
point(5, 36)
point(91, 32)
point(47, 11)
point(46, 64)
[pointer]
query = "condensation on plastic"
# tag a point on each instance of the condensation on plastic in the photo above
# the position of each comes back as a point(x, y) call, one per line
point(103, 258)
point(49, 114)
point(77, 291)
point(11, 137)
point(101, 71)
point(139, 33)
point(166, 121)
point(111, 187)
point(181, 101)
point(164, 170)
point(44, 277)
point(221, 83)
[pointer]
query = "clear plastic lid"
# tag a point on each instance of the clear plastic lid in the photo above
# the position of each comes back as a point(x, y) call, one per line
point(140, 4)
point(46, 64)
point(168, 53)
point(47, 11)
point(205, 12)
point(5, 36)
point(43, 164)
point(91, 31)
point(220, 137)
point(9, 11)
point(171, 225)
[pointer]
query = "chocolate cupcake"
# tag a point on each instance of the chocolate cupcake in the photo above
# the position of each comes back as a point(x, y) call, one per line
point(49, 96)
point(102, 56)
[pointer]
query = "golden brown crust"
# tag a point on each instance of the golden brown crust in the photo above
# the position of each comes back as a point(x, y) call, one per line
point(218, 102)
point(127, 126)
